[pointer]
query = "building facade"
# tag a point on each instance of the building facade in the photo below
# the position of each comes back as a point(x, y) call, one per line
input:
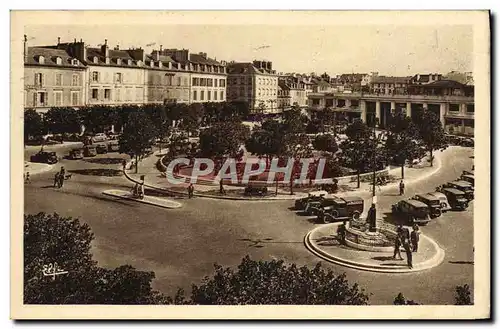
point(52, 78)
point(452, 102)
point(389, 85)
point(255, 83)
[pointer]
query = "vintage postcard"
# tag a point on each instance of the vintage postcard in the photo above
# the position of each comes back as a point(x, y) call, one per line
point(250, 165)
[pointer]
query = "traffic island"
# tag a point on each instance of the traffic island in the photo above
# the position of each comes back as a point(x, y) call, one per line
point(151, 200)
point(323, 242)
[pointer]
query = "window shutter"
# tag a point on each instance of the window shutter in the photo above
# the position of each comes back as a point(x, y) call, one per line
point(43, 79)
point(34, 99)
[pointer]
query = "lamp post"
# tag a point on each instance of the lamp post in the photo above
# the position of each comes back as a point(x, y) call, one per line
point(372, 214)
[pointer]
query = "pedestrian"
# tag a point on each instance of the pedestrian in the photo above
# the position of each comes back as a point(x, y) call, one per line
point(56, 179)
point(407, 247)
point(397, 243)
point(124, 164)
point(401, 188)
point(141, 190)
point(341, 230)
point(27, 178)
point(62, 175)
point(190, 190)
point(415, 238)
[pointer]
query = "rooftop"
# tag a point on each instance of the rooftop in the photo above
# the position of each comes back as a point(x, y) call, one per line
point(50, 56)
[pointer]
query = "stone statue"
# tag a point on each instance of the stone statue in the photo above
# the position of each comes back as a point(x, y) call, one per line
point(372, 219)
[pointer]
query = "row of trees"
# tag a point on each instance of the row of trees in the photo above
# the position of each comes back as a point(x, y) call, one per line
point(67, 242)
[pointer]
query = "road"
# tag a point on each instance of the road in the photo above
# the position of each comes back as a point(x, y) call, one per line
point(181, 245)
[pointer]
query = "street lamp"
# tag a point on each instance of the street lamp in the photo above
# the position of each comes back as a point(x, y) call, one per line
point(372, 213)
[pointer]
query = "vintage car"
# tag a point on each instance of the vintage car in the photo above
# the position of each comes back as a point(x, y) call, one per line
point(89, 151)
point(101, 148)
point(113, 146)
point(255, 190)
point(443, 201)
point(44, 157)
point(432, 202)
point(301, 203)
point(456, 198)
point(75, 154)
point(412, 211)
point(468, 178)
point(99, 137)
point(337, 209)
point(467, 142)
point(463, 186)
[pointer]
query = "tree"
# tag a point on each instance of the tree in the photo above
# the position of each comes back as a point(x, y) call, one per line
point(272, 283)
point(63, 120)
point(67, 242)
point(432, 133)
point(191, 117)
point(158, 115)
point(463, 295)
point(137, 136)
point(403, 140)
point(357, 150)
point(401, 300)
point(267, 140)
point(33, 124)
point(325, 143)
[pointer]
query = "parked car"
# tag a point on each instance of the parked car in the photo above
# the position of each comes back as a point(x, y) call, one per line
point(255, 190)
point(75, 154)
point(443, 201)
point(89, 151)
point(44, 157)
point(412, 211)
point(467, 142)
point(456, 198)
point(432, 202)
point(301, 203)
point(113, 146)
point(101, 148)
point(341, 209)
point(99, 137)
point(463, 186)
point(468, 178)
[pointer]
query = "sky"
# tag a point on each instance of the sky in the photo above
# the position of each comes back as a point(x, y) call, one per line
point(335, 49)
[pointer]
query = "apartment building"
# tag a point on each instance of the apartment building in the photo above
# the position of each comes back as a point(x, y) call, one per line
point(52, 78)
point(255, 83)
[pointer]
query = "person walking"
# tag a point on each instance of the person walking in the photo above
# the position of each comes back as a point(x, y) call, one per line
point(415, 238)
point(27, 178)
point(407, 248)
point(401, 188)
point(341, 230)
point(56, 179)
point(62, 174)
point(398, 242)
point(190, 190)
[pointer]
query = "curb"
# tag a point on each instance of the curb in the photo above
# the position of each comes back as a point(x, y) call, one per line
point(434, 261)
point(107, 192)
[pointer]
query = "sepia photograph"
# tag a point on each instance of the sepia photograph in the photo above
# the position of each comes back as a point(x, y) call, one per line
point(174, 165)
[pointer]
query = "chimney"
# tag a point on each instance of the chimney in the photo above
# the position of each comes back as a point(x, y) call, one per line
point(117, 47)
point(161, 48)
point(58, 40)
point(25, 48)
point(156, 55)
point(105, 49)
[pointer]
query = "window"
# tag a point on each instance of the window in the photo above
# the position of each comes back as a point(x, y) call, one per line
point(185, 81)
point(39, 79)
point(203, 82)
point(74, 98)
point(74, 61)
point(75, 80)
point(178, 81)
point(95, 93)
point(215, 82)
point(210, 82)
point(128, 95)
point(222, 95)
point(59, 78)
point(454, 107)
point(470, 108)
point(195, 82)
point(209, 95)
point(138, 94)
point(215, 94)
point(354, 103)
point(95, 76)
point(96, 60)
point(222, 83)
point(58, 98)
point(41, 99)
point(194, 95)
point(58, 60)
point(118, 78)
point(202, 95)
point(117, 95)
point(107, 94)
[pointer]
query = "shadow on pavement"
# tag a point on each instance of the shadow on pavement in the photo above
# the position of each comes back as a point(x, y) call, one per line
point(383, 258)
point(461, 262)
point(97, 172)
point(392, 219)
point(104, 160)
point(117, 200)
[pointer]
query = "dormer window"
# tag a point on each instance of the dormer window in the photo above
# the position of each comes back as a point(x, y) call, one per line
point(41, 59)
point(151, 64)
point(160, 64)
point(106, 60)
point(139, 63)
point(129, 62)
point(119, 61)
point(96, 60)
point(58, 60)
point(74, 61)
